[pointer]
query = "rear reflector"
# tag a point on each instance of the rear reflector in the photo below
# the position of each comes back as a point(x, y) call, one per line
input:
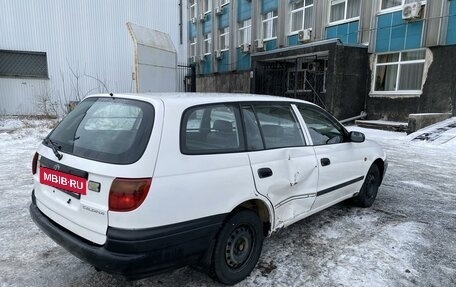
point(34, 163)
point(128, 194)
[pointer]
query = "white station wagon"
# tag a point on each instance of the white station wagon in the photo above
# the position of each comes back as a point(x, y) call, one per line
point(140, 184)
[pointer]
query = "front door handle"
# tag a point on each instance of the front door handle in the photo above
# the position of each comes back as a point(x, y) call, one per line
point(325, 161)
point(264, 172)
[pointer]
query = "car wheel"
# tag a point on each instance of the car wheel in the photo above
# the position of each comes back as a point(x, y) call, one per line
point(368, 192)
point(238, 247)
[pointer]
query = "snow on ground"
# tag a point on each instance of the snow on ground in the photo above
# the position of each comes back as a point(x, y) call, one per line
point(407, 238)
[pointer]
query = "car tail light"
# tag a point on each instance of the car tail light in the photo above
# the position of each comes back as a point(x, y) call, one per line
point(128, 194)
point(34, 163)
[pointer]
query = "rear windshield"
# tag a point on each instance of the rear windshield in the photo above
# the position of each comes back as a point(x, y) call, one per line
point(110, 130)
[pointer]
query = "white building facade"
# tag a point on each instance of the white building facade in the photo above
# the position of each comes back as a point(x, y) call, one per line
point(53, 52)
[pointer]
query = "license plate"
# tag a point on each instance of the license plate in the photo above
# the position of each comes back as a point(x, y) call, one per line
point(63, 180)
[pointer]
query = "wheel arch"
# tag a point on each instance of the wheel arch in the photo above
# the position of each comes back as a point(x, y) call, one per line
point(262, 209)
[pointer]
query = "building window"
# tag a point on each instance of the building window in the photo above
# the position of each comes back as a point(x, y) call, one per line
point(245, 32)
point(207, 43)
point(192, 12)
point(269, 21)
point(386, 4)
point(392, 4)
point(207, 6)
point(22, 64)
point(399, 72)
point(301, 15)
point(192, 47)
point(224, 39)
point(344, 10)
point(224, 2)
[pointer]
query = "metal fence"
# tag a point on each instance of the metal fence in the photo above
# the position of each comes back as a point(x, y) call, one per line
point(186, 76)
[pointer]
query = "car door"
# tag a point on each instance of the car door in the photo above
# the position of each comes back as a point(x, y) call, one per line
point(284, 168)
point(341, 163)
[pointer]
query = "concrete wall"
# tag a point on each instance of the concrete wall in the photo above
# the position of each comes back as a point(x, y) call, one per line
point(227, 82)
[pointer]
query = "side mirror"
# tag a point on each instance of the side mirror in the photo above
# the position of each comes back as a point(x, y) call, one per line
point(356, 137)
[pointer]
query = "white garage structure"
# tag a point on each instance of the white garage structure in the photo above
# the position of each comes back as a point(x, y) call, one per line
point(53, 52)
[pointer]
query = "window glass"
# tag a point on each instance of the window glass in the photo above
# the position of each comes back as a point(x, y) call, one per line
point(386, 78)
point(192, 9)
point(225, 38)
point(207, 5)
point(390, 3)
point(301, 15)
point(270, 25)
point(344, 9)
point(192, 45)
point(411, 76)
point(279, 126)
point(106, 129)
point(245, 32)
point(322, 129)
point(252, 130)
point(398, 72)
point(207, 43)
point(23, 64)
point(388, 58)
point(211, 129)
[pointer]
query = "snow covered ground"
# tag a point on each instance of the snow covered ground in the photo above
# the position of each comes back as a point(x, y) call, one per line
point(408, 238)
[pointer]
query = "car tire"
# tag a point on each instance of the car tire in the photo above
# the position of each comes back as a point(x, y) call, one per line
point(369, 189)
point(237, 248)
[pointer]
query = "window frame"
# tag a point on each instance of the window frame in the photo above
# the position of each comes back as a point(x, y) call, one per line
point(345, 19)
point(245, 26)
point(295, 116)
point(300, 9)
point(22, 75)
point(192, 7)
point(207, 6)
point(207, 44)
point(395, 8)
point(275, 17)
point(224, 32)
point(224, 2)
point(192, 46)
point(239, 130)
point(399, 64)
point(343, 131)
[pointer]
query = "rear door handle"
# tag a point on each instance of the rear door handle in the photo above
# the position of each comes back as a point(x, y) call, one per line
point(325, 161)
point(264, 172)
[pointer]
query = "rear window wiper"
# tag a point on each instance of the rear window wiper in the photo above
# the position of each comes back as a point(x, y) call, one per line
point(55, 148)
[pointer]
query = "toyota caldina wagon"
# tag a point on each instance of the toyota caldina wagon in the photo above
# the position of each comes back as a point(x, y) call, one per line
point(139, 184)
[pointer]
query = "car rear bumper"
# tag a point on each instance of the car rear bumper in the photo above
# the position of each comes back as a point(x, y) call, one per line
point(137, 253)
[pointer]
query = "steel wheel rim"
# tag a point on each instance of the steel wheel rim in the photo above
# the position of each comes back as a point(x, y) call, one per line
point(239, 247)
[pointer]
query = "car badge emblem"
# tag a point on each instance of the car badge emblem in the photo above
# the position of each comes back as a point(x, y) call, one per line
point(56, 167)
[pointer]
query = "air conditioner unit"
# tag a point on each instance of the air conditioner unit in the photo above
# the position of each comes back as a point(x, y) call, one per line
point(202, 17)
point(218, 10)
point(304, 35)
point(411, 10)
point(193, 59)
point(194, 20)
point(245, 48)
point(259, 44)
point(218, 54)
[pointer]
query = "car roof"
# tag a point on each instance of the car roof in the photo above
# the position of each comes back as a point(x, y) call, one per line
point(201, 98)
